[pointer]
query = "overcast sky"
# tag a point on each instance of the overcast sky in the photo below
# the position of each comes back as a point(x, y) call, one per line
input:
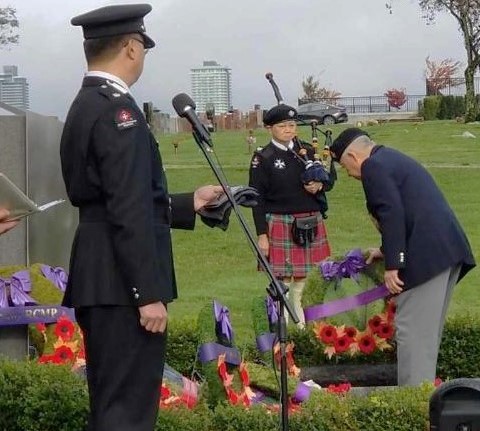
point(353, 46)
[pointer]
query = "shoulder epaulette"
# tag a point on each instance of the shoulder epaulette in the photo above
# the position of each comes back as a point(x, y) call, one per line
point(264, 152)
point(112, 90)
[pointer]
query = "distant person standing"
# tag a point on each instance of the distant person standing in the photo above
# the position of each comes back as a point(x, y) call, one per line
point(251, 141)
point(425, 250)
point(289, 215)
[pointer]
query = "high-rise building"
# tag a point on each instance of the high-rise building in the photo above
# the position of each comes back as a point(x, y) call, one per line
point(212, 87)
point(13, 88)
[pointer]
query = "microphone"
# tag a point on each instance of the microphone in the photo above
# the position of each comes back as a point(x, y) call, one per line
point(185, 107)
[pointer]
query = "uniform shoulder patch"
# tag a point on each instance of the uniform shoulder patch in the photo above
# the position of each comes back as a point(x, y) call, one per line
point(125, 118)
point(255, 161)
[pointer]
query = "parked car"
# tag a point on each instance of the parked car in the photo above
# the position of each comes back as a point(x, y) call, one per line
point(324, 113)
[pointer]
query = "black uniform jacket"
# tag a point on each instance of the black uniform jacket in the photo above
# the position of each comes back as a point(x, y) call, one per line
point(122, 253)
point(277, 175)
point(421, 235)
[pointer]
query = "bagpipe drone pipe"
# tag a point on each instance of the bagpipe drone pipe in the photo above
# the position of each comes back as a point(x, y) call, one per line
point(318, 167)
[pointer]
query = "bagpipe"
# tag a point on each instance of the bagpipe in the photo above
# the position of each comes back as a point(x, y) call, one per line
point(319, 167)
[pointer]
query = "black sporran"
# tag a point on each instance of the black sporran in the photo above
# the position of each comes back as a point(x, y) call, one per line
point(304, 230)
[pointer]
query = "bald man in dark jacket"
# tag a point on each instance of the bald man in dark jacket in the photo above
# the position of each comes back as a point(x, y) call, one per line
point(425, 250)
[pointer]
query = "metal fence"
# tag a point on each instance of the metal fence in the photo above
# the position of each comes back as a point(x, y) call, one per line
point(371, 104)
point(452, 87)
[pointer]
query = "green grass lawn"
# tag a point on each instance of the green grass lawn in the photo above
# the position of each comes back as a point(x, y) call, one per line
point(211, 263)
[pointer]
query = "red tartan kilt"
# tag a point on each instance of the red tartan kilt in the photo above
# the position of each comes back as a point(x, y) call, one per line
point(287, 258)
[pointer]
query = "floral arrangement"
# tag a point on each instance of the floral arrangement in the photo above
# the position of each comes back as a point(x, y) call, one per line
point(169, 398)
point(216, 338)
point(340, 389)
point(373, 331)
point(350, 340)
point(245, 395)
point(64, 343)
point(265, 320)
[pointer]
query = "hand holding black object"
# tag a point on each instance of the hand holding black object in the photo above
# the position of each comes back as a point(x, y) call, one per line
point(217, 213)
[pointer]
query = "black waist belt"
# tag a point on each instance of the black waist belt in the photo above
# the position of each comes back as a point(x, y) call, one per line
point(93, 213)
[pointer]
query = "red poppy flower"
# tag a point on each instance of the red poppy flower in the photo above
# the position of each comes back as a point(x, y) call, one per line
point(367, 344)
point(328, 334)
point(81, 353)
point(385, 331)
point(339, 389)
point(189, 400)
point(391, 309)
point(246, 401)
point(41, 327)
point(63, 354)
point(232, 396)
point(46, 359)
point(64, 328)
point(342, 343)
point(375, 323)
point(351, 332)
point(244, 375)
point(165, 392)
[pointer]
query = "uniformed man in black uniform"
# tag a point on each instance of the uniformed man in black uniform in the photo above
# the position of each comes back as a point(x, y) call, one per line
point(121, 270)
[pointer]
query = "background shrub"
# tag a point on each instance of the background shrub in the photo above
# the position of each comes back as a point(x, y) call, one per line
point(431, 106)
point(182, 345)
point(41, 398)
point(459, 354)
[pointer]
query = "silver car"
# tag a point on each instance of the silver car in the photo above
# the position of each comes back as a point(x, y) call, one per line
point(324, 113)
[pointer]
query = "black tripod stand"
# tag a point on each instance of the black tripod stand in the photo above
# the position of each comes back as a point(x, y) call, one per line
point(276, 289)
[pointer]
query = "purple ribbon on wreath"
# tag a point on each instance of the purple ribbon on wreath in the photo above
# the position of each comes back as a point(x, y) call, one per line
point(349, 267)
point(57, 276)
point(16, 290)
point(272, 311)
point(222, 316)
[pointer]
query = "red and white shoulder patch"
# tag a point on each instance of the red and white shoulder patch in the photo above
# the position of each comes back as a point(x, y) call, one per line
point(125, 119)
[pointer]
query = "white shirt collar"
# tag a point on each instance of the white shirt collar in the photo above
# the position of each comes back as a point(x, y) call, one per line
point(109, 77)
point(281, 146)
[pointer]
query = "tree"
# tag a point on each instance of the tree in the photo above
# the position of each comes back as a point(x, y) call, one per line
point(467, 14)
point(439, 75)
point(8, 26)
point(396, 98)
point(312, 92)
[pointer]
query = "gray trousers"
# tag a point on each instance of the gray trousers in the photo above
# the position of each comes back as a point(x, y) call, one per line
point(419, 321)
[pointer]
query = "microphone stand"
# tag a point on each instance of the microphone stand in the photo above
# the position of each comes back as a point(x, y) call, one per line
point(276, 288)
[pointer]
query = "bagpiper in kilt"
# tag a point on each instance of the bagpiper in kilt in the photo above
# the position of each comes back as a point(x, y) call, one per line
point(284, 200)
point(287, 258)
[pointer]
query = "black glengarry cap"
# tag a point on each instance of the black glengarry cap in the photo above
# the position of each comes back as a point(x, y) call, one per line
point(114, 21)
point(343, 140)
point(279, 113)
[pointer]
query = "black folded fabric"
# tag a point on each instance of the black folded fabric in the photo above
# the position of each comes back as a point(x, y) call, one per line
point(217, 214)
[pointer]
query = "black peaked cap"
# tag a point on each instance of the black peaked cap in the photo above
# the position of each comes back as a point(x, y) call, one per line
point(343, 140)
point(279, 113)
point(114, 21)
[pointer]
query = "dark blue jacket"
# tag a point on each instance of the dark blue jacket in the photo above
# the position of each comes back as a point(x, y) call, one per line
point(421, 235)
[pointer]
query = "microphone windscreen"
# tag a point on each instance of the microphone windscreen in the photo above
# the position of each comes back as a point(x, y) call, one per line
point(269, 75)
point(182, 101)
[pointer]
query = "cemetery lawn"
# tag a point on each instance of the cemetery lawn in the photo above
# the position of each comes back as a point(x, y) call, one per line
point(213, 264)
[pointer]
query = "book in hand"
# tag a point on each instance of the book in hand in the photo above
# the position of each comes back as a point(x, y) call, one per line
point(18, 203)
